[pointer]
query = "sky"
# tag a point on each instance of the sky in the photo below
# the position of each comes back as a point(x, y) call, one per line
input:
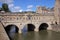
point(27, 5)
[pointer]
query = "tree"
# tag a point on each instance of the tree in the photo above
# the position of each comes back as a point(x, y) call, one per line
point(0, 9)
point(5, 7)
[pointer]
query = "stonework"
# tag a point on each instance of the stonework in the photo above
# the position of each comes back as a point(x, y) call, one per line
point(57, 11)
point(22, 19)
point(49, 16)
point(3, 35)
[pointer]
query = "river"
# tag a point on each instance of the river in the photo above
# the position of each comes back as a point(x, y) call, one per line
point(41, 35)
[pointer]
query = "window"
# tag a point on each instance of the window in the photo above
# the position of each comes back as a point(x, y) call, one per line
point(0, 19)
point(59, 10)
point(10, 18)
point(17, 18)
point(29, 17)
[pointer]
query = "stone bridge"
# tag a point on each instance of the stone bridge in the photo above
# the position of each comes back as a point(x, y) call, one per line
point(22, 20)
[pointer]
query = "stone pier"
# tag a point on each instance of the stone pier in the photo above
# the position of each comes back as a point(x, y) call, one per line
point(3, 35)
point(56, 28)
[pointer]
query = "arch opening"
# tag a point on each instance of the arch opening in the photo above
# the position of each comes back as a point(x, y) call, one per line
point(11, 30)
point(30, 27)
point(43, 26)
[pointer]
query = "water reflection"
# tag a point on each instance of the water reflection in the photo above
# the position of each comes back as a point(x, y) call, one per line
point(42, 35)
point(12, 36)
point(11, 31)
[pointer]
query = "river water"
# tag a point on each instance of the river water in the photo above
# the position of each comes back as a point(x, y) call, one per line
point(41, 35)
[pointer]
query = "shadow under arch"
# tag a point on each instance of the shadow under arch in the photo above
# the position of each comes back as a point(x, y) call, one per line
point(11, 30)
point(10, 27)
point(30, 27)
point(43, 26)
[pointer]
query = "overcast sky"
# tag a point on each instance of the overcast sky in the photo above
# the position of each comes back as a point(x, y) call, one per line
point(27, 5)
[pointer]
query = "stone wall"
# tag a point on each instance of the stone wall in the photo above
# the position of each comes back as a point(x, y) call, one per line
point(3, 35)
point(56, 27)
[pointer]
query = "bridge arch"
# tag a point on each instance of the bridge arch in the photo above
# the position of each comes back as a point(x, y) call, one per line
point(43, 26)
point(11, 28)
point(29, 27)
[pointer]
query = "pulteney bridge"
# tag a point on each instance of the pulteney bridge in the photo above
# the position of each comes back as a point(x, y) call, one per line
point(30, 20)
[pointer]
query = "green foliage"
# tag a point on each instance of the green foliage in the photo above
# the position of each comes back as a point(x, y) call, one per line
point(5, 7)
point(0, 9)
